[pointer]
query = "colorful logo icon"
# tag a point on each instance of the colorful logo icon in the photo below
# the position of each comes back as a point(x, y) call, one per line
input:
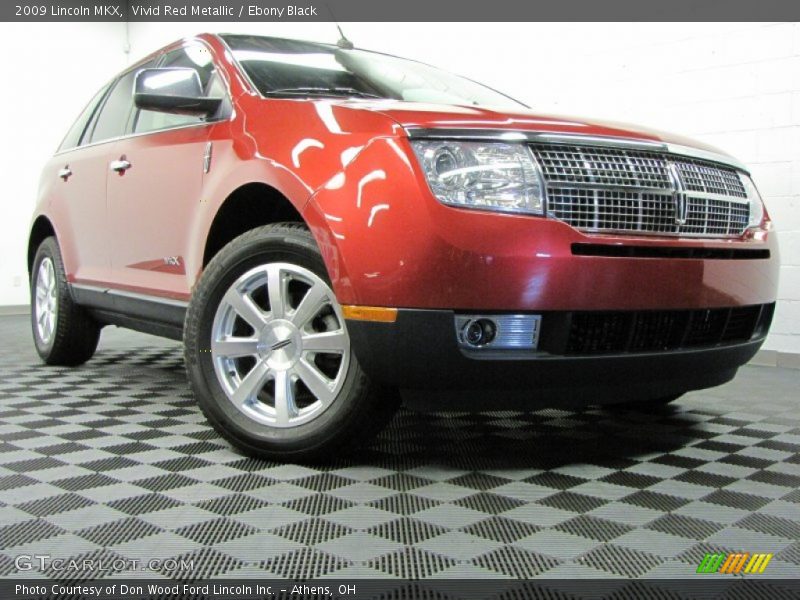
point(734, 563)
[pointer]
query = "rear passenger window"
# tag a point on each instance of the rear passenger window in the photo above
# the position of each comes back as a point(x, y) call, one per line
point(194, 56)
point(75, 133)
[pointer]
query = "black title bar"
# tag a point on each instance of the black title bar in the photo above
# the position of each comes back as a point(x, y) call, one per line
point(405, 10)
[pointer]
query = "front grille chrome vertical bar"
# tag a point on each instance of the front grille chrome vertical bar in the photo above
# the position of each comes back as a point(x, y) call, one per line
point(729, 227)
point(640, 216)
point(640, 202)
point(537, 168)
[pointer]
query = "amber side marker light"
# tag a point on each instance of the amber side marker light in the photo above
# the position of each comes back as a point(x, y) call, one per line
point(370, 313)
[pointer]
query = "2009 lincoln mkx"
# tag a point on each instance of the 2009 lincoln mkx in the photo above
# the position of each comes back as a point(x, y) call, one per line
point(325, 227)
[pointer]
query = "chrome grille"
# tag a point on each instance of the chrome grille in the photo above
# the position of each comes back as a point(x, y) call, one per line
point(699, 177)
point(715, 218)
point(611, 189)
point(607, 166)
point(614, 210)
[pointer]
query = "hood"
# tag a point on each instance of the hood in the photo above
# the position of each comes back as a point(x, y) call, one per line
point(433, 116)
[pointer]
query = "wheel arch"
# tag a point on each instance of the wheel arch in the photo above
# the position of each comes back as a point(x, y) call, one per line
point(254, 204)
point(41, 229)
point(250, 205)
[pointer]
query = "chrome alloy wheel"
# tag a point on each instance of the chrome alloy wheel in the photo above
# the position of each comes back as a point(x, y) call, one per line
point(279, 345)
point(46, 301)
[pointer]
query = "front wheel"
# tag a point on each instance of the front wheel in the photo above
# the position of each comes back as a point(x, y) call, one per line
point(268, 354)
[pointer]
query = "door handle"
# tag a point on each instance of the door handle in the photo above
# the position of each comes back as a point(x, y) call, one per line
point(65, 172)
point(120, 166)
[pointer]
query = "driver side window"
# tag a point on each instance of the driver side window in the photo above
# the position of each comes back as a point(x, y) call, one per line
point(194, 56)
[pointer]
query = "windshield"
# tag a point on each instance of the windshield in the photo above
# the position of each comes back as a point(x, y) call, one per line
point(291, 68)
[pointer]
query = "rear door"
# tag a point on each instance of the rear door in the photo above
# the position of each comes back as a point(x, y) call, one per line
point(75, 181)
point(153, 200)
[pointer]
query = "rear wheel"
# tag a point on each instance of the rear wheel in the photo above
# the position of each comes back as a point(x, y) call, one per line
point(268, 353)
point(64, 334)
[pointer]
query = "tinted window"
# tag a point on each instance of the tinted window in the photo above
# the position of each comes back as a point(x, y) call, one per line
point(116, 110)
point(73, 137)
point(113, 118)
point(195, 57)
point(293, 68)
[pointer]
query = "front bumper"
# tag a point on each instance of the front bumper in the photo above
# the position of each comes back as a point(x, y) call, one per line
point(420, 352)
point(387, 241)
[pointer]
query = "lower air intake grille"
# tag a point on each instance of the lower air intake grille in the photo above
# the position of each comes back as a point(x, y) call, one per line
point(655, 331)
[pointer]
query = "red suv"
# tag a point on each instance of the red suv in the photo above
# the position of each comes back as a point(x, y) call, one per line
point(325, 226)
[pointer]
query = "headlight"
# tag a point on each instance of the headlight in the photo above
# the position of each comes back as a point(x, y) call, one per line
point(484, 175)
point(756, 203)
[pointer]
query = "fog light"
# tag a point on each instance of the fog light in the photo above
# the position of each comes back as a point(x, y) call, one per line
point(479, 332)
point(497, 332)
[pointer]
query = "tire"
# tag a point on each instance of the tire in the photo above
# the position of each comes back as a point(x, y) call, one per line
point(644, 405)
point(63, 333)
point(270, 395)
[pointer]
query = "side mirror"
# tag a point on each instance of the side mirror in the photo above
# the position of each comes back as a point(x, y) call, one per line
point(174, 90)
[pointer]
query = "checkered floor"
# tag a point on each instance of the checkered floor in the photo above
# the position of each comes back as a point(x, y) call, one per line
point(114, 459)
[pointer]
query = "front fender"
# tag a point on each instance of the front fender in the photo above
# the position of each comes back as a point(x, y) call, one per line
point(375, 224)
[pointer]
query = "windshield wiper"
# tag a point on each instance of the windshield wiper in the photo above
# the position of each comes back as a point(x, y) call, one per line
point(320, 91)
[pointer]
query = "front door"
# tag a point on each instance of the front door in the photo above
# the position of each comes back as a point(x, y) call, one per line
point(154, 189)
